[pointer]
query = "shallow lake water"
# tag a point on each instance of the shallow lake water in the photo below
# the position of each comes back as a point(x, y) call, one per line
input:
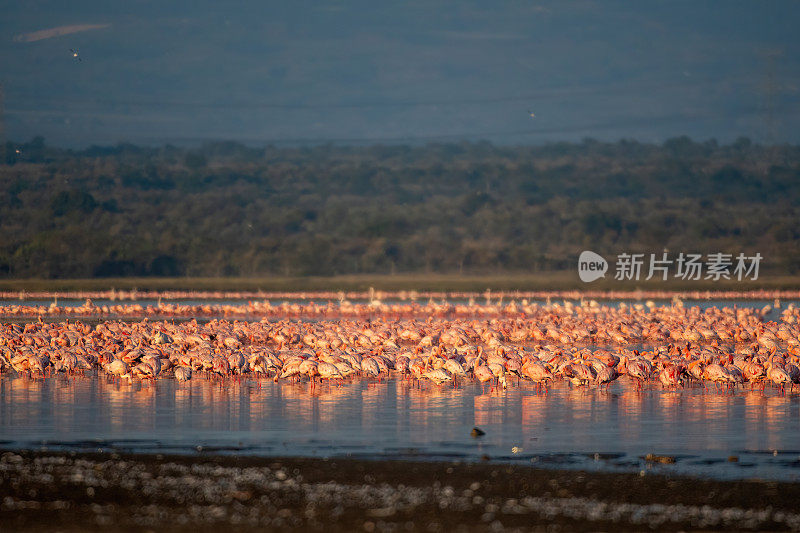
point(772, 314)
point(703, 429)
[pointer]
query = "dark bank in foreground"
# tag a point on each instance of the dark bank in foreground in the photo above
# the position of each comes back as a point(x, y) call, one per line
point(96, 491)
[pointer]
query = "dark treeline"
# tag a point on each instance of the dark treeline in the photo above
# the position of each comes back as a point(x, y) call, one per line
point(226, 209)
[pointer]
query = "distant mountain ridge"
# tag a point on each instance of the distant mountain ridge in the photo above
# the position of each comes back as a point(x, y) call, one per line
point(398, 73)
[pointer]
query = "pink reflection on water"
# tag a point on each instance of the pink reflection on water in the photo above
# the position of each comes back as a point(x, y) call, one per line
point(398, 413)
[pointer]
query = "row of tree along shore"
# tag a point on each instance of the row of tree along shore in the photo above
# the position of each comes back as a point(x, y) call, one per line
point(230, 210)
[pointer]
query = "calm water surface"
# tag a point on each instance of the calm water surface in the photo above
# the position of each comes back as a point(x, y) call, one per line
point(565, 427)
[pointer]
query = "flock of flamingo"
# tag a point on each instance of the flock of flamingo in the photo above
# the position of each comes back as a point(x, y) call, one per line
point(135, 294)
point(497, 344)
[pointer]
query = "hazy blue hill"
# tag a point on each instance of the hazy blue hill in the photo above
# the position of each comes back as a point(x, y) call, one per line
point(360, 71)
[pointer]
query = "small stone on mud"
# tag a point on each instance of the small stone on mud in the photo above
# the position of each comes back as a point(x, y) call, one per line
point(664, 459)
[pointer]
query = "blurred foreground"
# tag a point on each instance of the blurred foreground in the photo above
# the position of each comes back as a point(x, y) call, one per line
point(80, 492)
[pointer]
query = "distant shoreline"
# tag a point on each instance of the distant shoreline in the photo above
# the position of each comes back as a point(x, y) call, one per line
point(545, 281)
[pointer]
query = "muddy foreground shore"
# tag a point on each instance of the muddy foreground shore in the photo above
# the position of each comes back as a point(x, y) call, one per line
point(51, 491)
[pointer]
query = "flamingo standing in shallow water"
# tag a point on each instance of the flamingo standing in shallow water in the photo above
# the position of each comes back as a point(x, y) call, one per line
point(438, 376)
point(639, 371)
point(778, 375)
point(483, 374)
point(605, 374)
point(537, 373)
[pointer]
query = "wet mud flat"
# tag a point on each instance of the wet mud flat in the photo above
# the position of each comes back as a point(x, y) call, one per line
point(68, 491)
